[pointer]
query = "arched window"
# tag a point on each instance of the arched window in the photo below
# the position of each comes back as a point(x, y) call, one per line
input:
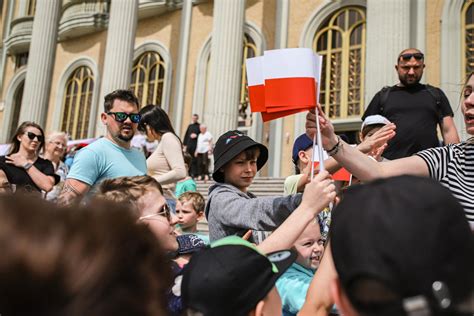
point(77, 102)
point(468, 37)
point(148, 76)
point(249, 51)
point(341, 40)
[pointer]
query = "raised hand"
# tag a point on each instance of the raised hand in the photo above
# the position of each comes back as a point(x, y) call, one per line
point(328, 136)
point(16, 159)
point(319, 192)
point(372, 143)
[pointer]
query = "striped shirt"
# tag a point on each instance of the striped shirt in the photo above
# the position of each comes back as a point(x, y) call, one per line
point(453, 167)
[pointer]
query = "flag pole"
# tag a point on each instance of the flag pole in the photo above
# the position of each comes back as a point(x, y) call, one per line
point(317, 136)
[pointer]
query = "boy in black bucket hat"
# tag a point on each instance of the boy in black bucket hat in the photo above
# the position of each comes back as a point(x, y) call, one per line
point(231, 209)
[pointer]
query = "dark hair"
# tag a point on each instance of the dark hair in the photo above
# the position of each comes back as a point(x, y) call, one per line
point(124, 95)
point(252, 152)
point(78, 261)
point(368, 128)
point(188, 159)
point(155, 117)
point(15, 143)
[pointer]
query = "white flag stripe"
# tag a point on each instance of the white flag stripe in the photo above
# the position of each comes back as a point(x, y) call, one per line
point(289, 63)
point(255, 71)
point(316, 157)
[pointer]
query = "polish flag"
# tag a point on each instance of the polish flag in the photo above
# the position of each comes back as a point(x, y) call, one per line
point(290, 79)
point(256, 84)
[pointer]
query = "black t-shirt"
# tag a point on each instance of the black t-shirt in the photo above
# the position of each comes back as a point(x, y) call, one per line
point(191, 143)
point(416, 115)
point(20, 177)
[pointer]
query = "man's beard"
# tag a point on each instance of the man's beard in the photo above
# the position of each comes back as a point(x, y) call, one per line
point(125, 138)
point(406, 83)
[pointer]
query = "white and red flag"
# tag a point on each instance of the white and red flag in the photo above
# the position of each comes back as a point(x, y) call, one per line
point(283, 82)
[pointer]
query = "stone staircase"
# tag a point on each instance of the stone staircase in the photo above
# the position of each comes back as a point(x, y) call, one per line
point(261, 186)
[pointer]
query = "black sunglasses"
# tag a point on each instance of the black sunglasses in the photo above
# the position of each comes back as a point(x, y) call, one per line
point(122, 116)
point(32, 136)
point(408, 56)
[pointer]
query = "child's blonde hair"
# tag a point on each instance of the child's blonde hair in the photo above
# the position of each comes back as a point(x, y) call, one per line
point(196, 198)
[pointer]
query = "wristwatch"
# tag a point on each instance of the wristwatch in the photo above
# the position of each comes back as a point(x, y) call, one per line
point(27, 166)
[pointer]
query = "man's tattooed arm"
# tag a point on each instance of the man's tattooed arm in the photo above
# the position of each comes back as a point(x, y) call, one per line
point(72, 190)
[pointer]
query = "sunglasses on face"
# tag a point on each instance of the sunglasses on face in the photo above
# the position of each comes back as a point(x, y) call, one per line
point(32, 136)
point(408, 56)
point(163, 212)
point(122, 116)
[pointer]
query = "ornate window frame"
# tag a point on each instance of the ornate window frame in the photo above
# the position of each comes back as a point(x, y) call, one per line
point(13, 86)
point(200, 80)
point(320, 14)
point(60, 93)
point(161, 49)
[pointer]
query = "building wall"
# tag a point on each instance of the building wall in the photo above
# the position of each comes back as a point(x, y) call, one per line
point(165, 29)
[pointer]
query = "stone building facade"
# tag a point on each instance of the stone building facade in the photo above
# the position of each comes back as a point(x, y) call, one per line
point(58, 58)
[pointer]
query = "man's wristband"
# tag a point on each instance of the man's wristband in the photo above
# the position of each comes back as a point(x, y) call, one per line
point(335, 149)
point(27, 166)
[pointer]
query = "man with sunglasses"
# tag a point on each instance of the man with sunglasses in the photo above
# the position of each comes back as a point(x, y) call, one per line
point(416, 109)
point(111, 156)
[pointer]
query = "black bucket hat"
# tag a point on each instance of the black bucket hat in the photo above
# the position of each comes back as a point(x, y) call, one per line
point(231, 144)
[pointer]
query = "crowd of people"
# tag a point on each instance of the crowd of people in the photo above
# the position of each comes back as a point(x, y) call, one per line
point(114, 231)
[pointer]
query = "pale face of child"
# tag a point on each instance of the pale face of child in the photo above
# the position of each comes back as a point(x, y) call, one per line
point(310, 246)
point(159, 220)
point(187, 216)
point(240, 171)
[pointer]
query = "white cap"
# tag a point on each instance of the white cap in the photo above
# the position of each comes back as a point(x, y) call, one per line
point(374, 120)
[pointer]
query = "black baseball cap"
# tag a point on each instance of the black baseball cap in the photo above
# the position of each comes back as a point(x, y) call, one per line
point(231, 144)
point(231, 277)
point(401, 244)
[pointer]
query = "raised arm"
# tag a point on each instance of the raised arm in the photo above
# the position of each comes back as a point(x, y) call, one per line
point(357, 163)
point(43, 181)
point(317, 195)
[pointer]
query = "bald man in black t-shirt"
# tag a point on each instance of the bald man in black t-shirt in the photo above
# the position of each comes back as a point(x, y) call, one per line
point(416, 109)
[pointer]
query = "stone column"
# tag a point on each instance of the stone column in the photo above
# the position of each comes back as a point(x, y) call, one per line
point(118, 51)
point(276, 126)
point(390, 29)
point(34, 106)
point(180, 84)
point(226, 61)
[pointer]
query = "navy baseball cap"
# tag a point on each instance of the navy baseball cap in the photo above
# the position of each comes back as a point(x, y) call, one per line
point(303, 142)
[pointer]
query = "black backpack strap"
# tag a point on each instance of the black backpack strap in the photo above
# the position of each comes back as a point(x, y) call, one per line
point(436, 94)
point(383, 97)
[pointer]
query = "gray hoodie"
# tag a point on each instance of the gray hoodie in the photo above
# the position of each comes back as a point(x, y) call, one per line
point(230, 211)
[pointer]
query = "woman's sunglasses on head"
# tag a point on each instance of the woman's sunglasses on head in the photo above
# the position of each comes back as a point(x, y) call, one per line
point(408, 56)
point(32, 136)
point(122, 116)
